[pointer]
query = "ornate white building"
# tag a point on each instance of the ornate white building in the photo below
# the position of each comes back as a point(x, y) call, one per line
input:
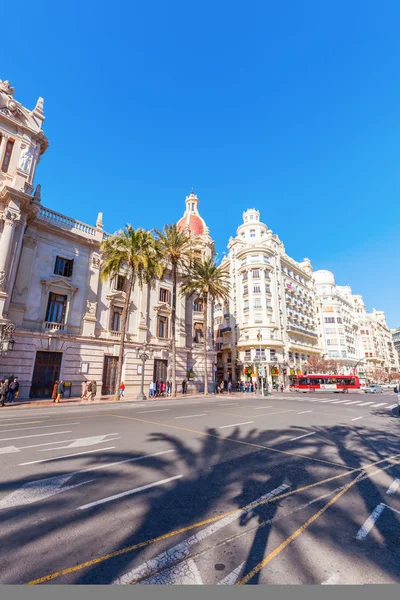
point(67, 320)
point(270, 318)
point(348, 332)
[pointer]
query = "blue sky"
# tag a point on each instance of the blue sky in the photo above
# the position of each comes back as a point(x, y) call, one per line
point(290, 107)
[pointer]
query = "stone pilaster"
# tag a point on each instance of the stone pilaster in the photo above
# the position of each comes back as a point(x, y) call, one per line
point(10, 219)
point(90, 316)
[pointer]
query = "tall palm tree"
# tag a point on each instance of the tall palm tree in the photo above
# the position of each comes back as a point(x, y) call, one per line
point(135, 253)
point(175, 248)
point(206, 279)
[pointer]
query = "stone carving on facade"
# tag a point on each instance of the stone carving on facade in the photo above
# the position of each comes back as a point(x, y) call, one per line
point(2, 279)
point(10, 216)
point(6, 88)
point(27, 157)
point(99, 222)
point(91, 308)
point(96, 261)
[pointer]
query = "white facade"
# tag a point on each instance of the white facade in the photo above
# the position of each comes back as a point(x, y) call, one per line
point(348, 333)
point(272, 296)
point(67, 320)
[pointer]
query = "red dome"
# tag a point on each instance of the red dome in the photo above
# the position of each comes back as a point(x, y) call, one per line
point(195, 224)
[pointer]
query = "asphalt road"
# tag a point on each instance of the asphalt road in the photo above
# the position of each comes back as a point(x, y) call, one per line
point(241, 489)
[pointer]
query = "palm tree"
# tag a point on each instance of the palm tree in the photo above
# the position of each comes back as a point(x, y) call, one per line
point(175, 248)
point(134, 252)
point(210, 282)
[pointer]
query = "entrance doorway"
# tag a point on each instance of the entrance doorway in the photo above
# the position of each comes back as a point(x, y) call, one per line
point(46, 371)
point(109, 375)
point(160, 370)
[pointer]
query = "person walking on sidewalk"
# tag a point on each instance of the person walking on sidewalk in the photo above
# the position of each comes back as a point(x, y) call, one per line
point(13, 390)
point(84, 395)
point(93, 390)
point(282, 388)
point(230, 387)
point(60, 391)
point(55, 391)
point(121, 390)
point(4, 389)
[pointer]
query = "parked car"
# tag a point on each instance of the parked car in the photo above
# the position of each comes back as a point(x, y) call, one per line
point(374, 389)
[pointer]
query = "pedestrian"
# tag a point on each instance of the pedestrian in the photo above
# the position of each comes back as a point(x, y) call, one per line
point(55, 392)
point(84, 390)
point(252, 387)
point(184, 386)
point(168, 388)
point(4, 389)
point(13, 390)
point(282, 388)
point(230, 387)
point(94, 390)
point(162, 388)
point(151, 389)
point(60, 391)
point(121, 389)
point(242, 386)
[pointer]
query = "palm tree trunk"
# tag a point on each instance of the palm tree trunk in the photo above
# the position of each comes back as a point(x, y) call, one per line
point(124, 320)
point(173, 330)
point(205, 312)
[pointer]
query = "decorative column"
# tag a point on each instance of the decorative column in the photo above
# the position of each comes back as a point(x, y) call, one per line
point(90, 317)
point(10, 218)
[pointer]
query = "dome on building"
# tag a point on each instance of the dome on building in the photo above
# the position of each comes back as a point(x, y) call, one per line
point(191, 219)
point(323, 276)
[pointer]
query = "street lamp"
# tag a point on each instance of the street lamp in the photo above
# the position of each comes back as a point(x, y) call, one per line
point(6, 340)
point(143, 352)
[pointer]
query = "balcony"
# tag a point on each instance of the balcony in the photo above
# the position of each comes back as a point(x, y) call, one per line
point(303, 331)
point(114, 335)
point(49, 326)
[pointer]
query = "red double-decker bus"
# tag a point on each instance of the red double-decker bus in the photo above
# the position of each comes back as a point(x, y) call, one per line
point(325, 383)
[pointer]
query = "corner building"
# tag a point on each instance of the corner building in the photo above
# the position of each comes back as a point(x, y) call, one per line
point(268, 328)
point(67, 320)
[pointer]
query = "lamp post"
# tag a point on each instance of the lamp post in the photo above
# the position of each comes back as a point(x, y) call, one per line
point(6, 340)
point(143, 352)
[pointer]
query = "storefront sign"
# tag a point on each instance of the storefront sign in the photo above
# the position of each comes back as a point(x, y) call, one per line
point(274, 371)
point(292, 372)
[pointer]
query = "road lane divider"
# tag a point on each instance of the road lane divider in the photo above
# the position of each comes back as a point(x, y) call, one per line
point(44, 460)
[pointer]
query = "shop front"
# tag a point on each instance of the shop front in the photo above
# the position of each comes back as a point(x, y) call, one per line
point(274, 376)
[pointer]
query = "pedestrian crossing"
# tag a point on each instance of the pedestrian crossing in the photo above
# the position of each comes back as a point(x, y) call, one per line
point(345, 402)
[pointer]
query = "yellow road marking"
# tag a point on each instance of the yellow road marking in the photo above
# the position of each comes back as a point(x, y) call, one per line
point(219, 437)
point(300, 530)
point(166, 536)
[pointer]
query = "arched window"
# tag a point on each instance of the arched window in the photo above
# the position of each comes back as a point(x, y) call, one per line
point(198, 305)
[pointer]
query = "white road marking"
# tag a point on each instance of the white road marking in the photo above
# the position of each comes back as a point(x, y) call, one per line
point(182, 549)
point(260, 407)
point(365, 403)
point(142, 412)
point(393, 406)
point(236, 424)
point(302, 436)
point(127, 460)
point(339, 402)
point(40, 427)
point(370, 522)
point(38, 490)
point(8, 450)
point(232, 577)
point(185, 573)
point(356, 418)
point(190, 416)
point(325, 401)
point(128, 493)
point(380, 404)
point(303, 412)
point(35, 462)
point(393, 487)
point(81, 442)
point(332, 580)
point(25, 437)
point(355, 402)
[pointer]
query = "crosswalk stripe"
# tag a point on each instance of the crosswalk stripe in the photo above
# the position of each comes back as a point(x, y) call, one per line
point(380, 404)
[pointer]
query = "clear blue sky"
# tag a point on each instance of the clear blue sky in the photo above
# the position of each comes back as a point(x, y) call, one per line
point(290, 107)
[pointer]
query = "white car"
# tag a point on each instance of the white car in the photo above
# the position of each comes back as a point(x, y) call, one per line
point(374, 389)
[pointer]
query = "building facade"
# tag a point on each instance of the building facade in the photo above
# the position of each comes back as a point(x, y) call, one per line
point(268, 329)
point(67, 320)
point(396, 340)
point(357, 339)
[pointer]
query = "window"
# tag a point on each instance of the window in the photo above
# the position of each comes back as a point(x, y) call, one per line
point(245, 276)
point(120, 283)
point(290, 354)
point(272, 354)
point(260, 354)
point(229, 360)
point(164, 296)
point(198, 305)
point(329, 319)
point(162, 327)
point(7, 156)
point(344, 354)
point(245, 290)
point(296, 356)
point(116, 318)
point(56, 308)
point(256, 289)
point(342, 342)
point(63, 267)
point(339, 320)
point(252, 233)
point(303, 357)
point(266, 259)
point(247, 354)
point(257, 303)
point(256, 273)
point(255, 259)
